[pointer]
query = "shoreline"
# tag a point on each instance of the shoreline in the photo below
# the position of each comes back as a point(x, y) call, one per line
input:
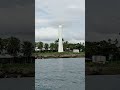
point(49, 57)
point(58, 55)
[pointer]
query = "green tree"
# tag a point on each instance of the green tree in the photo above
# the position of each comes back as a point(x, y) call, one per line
point(27, 48)
point(13, 46)
point(46, 46)
point(1, 45)
point(71, 46)
point(40, 45)
point(65, 45)
point(52, 46)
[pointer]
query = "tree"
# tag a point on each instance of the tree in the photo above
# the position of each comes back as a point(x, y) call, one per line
point(56, 41)
point(65, 45)
point(1, 45)
point(71, 46)
point(13, 46)
point(46, 46)
point(40, 45)
point(109, 40)
point(52, 46)
point(27, 48)
point(36, 44)
point(116, 41)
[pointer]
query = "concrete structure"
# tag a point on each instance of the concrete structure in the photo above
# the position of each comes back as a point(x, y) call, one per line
point(36, 49)
point(76, 50)
point(60, 43)
point(99, 59)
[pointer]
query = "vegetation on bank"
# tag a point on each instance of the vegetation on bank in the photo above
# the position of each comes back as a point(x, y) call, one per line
point(16, 58)
point(53, 47)
point(14, 47)
point(46, 50)
point(59, 55)
point(17, 70)
point(110, 68)
point(109, 48)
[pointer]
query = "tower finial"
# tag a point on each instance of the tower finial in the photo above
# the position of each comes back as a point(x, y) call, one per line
point(60, 26)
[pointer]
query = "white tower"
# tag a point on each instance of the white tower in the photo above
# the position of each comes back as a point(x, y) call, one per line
point(60, 44)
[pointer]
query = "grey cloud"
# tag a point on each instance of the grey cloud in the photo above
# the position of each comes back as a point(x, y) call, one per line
point(103, 16)
point(17, 21)
point(14, 3)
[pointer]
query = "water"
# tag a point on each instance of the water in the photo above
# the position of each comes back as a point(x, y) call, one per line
point(17, 83)
point(60, 74)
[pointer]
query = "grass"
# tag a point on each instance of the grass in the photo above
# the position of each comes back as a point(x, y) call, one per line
point(62, 54)
point(57, 53)
point(13, 70)
point(109, 68)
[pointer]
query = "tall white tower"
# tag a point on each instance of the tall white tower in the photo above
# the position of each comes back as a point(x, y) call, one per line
point(60, 44)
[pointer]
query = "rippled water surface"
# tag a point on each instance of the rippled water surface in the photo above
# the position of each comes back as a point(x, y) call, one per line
point(60, 74)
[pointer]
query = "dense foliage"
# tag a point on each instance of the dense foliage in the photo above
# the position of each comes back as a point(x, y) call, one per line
point(107, 48)
point(13, 46)
point(54, 46)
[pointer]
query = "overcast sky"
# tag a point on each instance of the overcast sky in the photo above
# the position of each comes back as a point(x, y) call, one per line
point(50, 13)
point(17, 18)
point(102, 20)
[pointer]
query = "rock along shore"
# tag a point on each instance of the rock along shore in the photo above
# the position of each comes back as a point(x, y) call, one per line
point(77, 55)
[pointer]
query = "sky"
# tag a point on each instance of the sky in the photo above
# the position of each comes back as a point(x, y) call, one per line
point(17, 18)
point(51, 13)
point(102, 20)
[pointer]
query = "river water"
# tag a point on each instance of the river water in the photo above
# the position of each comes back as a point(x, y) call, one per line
point(60, 74)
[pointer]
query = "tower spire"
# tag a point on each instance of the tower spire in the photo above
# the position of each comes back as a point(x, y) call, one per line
point(60, 44)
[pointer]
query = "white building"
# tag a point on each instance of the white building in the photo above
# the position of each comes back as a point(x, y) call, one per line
point(99, 59)
point(36, 49)
point(76, 50)
point(60, 43)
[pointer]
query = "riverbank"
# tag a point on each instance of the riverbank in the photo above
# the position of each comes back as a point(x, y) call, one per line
point(17, 70)
point(110, 68)
point(41, 55)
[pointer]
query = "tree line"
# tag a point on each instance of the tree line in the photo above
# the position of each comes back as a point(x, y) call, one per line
point(13, 46)
point(54, 46)
point(107, 48)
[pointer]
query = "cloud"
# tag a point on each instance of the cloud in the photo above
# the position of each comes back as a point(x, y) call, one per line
point(17, 19)
point(73, 7)
point(46, 34)
point(102, 20)
point(50, 13)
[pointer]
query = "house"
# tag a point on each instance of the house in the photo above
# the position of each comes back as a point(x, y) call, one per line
point(99, 59)
point(36, 49)
point(76, 50)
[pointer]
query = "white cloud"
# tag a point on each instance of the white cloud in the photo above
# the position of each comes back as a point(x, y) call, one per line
point(46, 34)
point(73, 7)
point(50, 13)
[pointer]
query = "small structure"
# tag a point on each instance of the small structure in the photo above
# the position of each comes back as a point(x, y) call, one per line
point(36, 49)
point(88, 60)
point(49, 49)
point(99, 59)
point(76, 50)
point(42, 49)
